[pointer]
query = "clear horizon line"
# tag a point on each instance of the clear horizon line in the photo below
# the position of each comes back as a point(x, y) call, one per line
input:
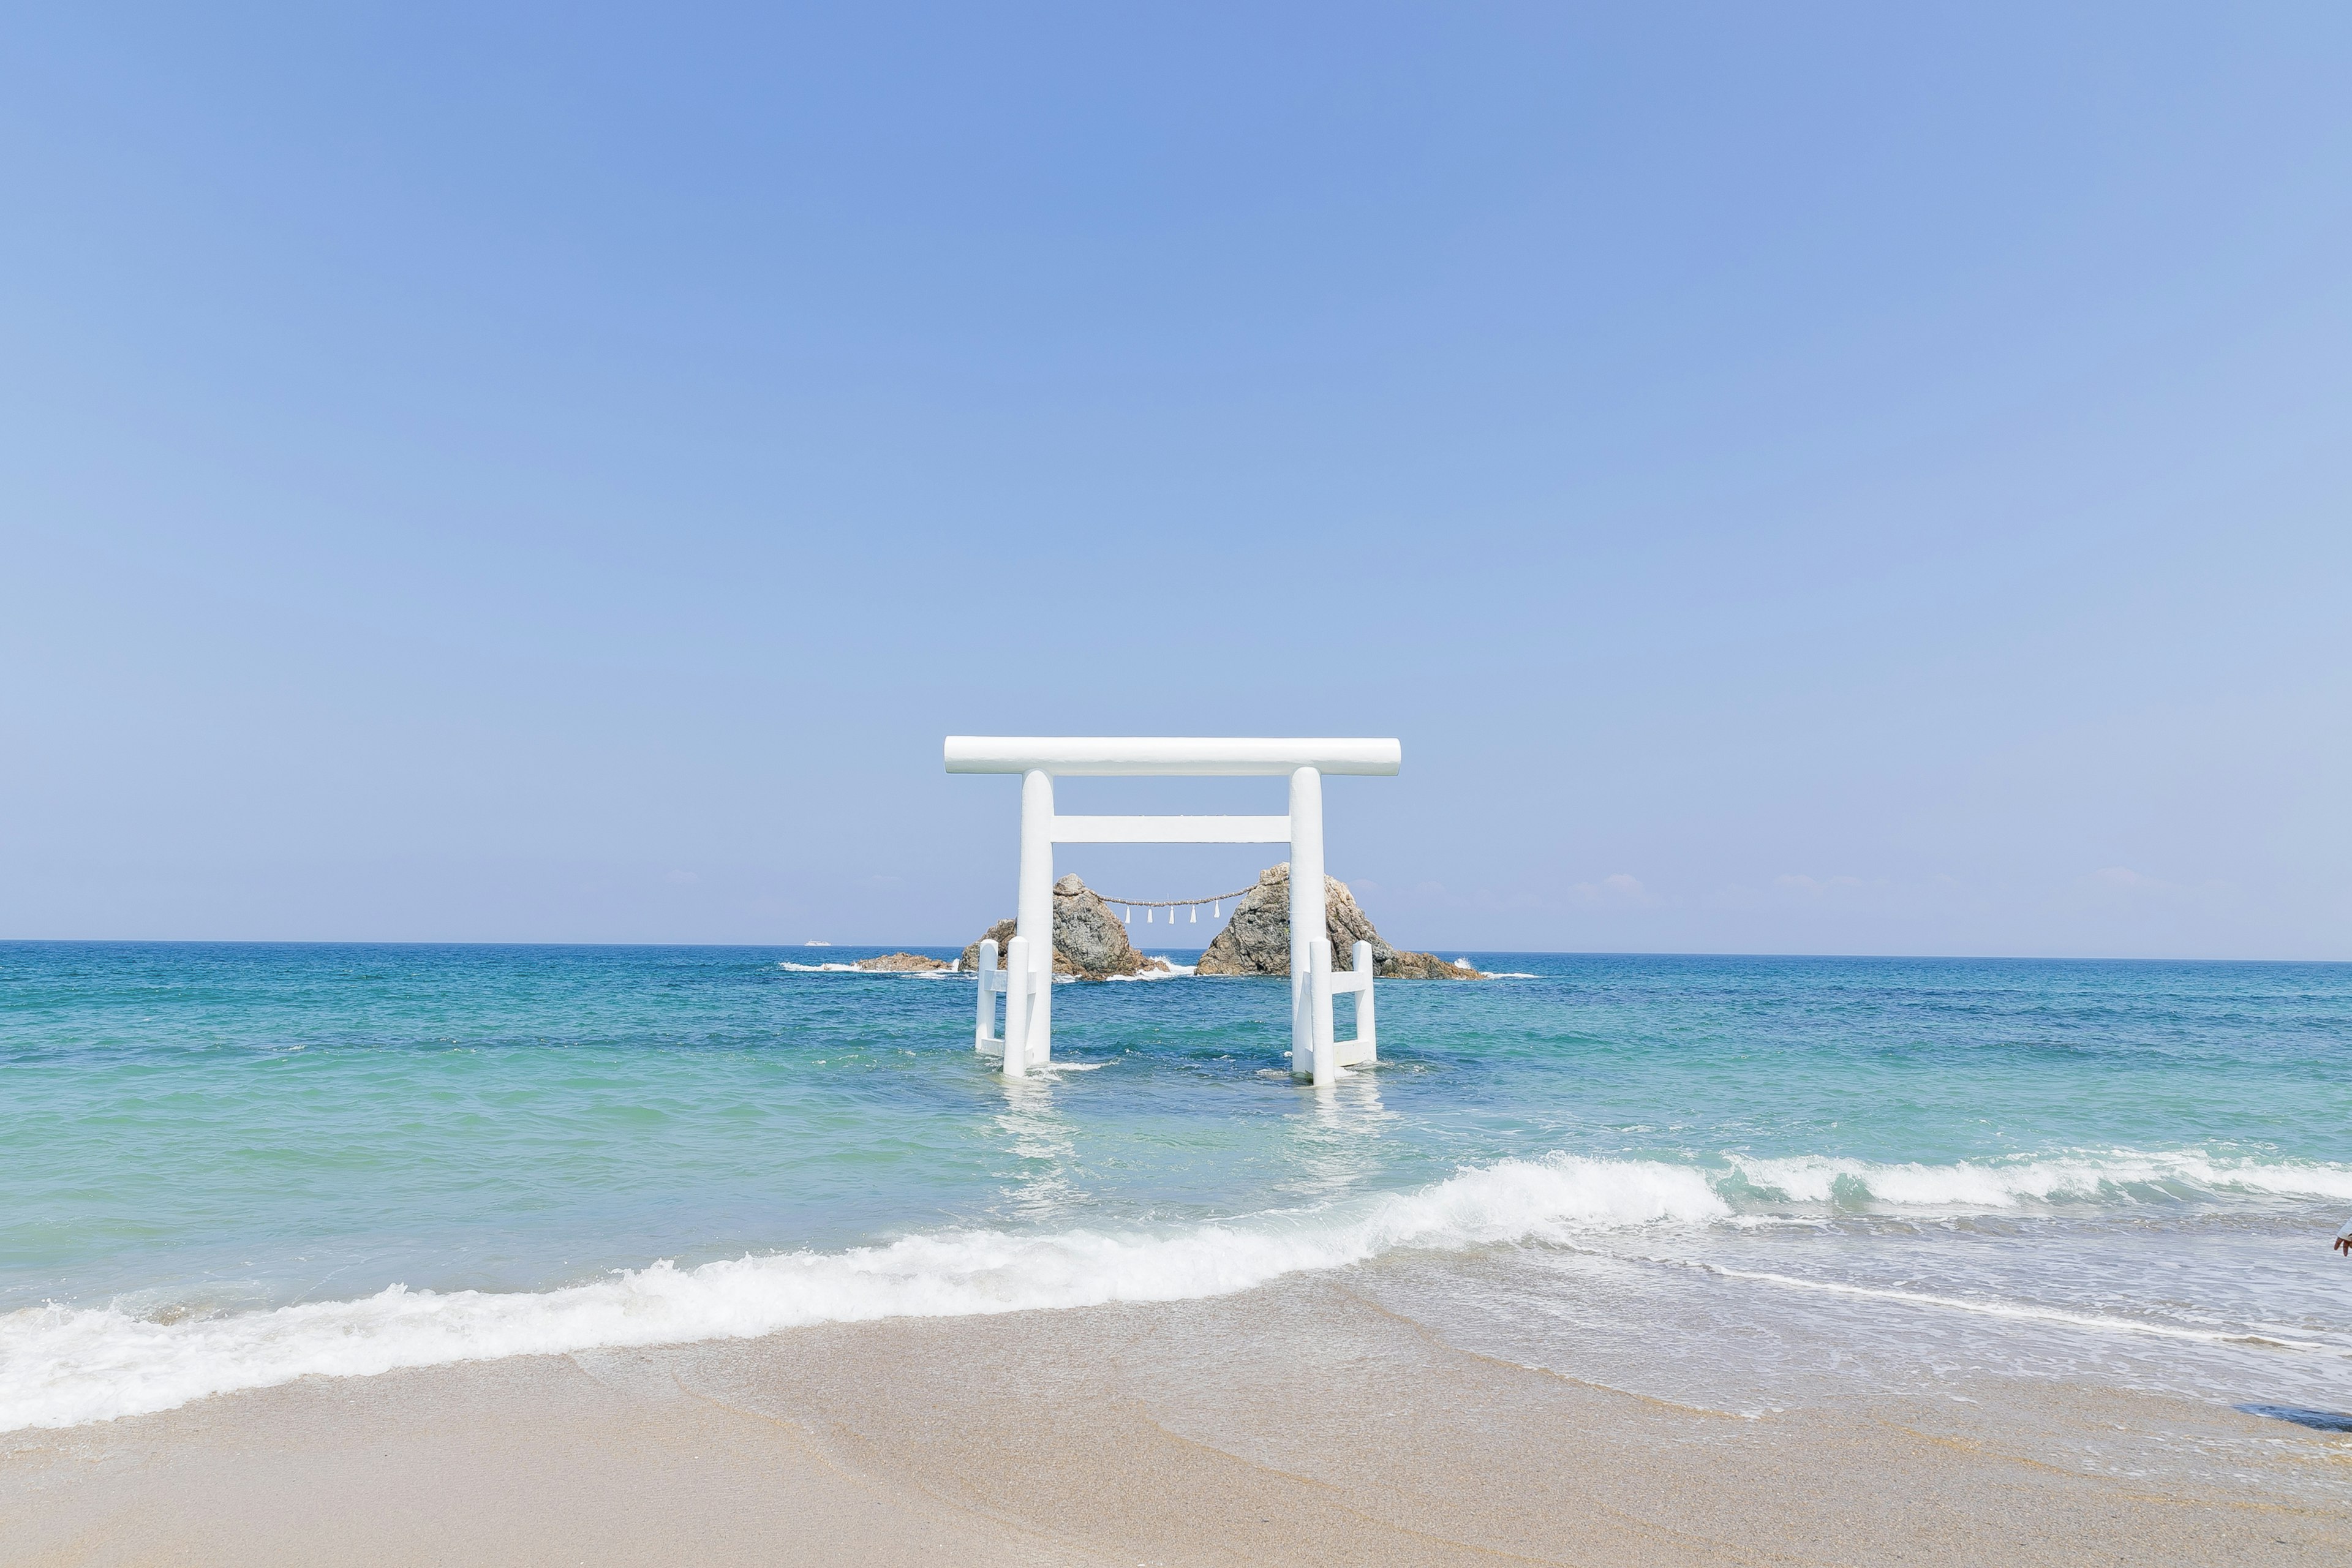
point(958, 947)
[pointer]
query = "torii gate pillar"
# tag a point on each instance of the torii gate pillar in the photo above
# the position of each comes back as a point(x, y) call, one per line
point(1027, 980)
point(1307, 921)
point(1034, 917)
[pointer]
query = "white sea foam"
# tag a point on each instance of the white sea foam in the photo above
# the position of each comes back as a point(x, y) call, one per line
point(2019, 1312)
point(947, 974)
point(1175, 971)
point(2007, 1184)
point(60, 1366)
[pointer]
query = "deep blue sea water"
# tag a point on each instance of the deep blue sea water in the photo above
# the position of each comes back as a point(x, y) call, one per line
point(224, 1166)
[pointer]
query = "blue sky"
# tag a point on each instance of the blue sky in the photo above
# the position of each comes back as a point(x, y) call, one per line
point(1804, 479)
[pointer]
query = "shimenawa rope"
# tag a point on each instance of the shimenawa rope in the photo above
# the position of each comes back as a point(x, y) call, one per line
point(1158, 903)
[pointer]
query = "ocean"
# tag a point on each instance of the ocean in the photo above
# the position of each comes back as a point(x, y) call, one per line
point(1730, 1183)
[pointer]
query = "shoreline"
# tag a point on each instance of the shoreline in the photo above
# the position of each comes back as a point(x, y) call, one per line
point(1299, 1422)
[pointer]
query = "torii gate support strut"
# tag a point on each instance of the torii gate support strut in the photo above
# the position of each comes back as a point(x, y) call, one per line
point(1027, 979)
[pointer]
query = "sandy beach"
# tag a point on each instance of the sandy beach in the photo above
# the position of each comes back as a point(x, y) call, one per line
point(1302, 1423)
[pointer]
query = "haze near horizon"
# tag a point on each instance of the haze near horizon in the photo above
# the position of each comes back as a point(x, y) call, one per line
point(1825, 480)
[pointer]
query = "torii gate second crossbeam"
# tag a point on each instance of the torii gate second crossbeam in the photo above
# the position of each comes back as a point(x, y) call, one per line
point(1027, 979)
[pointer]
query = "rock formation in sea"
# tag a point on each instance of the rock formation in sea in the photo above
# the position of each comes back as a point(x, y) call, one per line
point(1089, 941)
point(902, 962)
point(1257, 941)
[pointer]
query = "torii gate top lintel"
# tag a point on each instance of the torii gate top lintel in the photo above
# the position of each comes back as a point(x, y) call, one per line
point(1027, 980)
point(1137, 756)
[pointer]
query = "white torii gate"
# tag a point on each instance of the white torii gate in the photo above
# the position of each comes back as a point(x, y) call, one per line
point(1027, 980)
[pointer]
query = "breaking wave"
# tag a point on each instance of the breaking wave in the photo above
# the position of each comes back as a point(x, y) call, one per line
point(60, 1366)
point(2111, 1175)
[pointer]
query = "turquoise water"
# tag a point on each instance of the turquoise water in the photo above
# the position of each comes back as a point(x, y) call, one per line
point(219, 1159)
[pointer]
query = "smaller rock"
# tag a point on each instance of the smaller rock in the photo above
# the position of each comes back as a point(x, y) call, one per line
point(902, 962)
point(1089, 941)
point(1002, 932)
point(1085, 932)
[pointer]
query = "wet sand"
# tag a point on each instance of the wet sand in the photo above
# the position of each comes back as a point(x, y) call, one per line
point(1303, 1422)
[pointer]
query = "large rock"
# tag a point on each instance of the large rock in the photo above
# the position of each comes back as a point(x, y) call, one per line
point(1089, 941)
point(1257, 941)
